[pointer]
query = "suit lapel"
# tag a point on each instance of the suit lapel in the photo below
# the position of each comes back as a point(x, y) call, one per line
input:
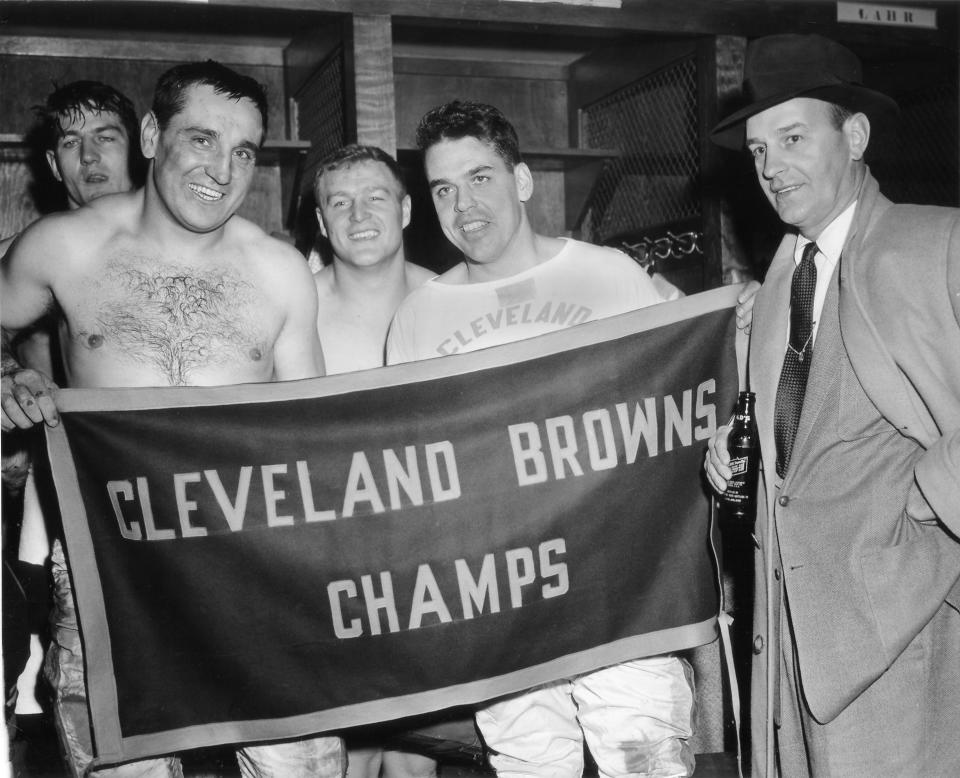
point(824, 370)
point(770, 322)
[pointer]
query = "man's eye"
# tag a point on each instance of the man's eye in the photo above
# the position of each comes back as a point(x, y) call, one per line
point(791, 139)
point(245, 154)
point(757, 151)
point(69, 144)
point(201, 140)
point(441, 191)
point(107, 138)
point(480, 179)
point(338, 203)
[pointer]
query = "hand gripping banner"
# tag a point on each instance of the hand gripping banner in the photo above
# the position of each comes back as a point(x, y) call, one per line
point(273, 560)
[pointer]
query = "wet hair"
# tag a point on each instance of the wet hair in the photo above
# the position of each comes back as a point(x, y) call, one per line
point(345, 156)
point(169, 97)
point(467, 119)
point(65, 105)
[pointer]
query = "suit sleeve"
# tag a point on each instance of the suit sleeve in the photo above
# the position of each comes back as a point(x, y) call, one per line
point(938, 476)
point(938, 471)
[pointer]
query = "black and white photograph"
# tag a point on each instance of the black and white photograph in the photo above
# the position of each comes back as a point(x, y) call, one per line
point(480, 388)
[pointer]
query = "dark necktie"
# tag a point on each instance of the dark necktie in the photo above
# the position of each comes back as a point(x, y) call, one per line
point(796, 362)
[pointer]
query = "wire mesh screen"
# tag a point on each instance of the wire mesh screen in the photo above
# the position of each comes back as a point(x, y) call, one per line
point(321, 112)
point(653, 124)
point(920, 161)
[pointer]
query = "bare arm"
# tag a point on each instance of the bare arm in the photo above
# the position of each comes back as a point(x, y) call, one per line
point(25, 297)
point(297, 352)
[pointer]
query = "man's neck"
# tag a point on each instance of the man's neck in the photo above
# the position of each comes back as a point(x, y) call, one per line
point(160, 226)
point(525, 251)
point(380, 282)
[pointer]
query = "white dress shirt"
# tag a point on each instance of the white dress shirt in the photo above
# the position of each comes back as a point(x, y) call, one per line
point(829, 245)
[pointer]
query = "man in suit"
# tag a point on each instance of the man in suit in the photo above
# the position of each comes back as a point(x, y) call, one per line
point(855, 361)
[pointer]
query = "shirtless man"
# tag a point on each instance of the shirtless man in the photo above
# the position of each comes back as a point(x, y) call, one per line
point(87, 130)
point(363, 208)
point(165, 287)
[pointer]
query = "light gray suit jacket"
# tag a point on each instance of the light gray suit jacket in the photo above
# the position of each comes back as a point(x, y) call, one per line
point(861, 588)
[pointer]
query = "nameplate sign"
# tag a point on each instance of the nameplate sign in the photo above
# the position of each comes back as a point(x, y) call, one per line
point(887, 15)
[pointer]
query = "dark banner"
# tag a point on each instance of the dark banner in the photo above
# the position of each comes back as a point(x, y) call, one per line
point(272, 560)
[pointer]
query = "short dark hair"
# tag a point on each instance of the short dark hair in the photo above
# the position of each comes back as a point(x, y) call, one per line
point(462, 119)
point(169, 99)
point(838, 115)
point(353, 153)
point(65, 104)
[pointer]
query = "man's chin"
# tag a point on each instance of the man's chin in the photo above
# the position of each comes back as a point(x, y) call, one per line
point(95, 191)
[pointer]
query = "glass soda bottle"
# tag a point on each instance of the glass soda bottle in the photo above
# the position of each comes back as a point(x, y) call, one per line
point(739, 500)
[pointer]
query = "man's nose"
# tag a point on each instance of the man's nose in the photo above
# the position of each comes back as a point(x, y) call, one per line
point(219, 168)
point(773, 163)
point(89, 153)
point(464, 200)
point(358, 210)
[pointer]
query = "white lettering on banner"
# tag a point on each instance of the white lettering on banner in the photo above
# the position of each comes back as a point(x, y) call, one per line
point(569, 446)
point(430, 469)
point(553, 448)
point(428, 603)
point(185, 506)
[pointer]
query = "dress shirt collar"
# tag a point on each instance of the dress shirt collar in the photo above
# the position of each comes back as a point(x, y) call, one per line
point(831, 240)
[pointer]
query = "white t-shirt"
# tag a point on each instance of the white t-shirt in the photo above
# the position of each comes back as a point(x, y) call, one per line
point(581, 283)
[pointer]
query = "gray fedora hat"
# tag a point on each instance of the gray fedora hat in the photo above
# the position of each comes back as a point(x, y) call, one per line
point(778, 68)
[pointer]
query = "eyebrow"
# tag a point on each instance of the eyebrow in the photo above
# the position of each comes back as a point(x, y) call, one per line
point(366, 191)
point(247, 144)
point(472, 172)
point(111, 127)
point(780, 132)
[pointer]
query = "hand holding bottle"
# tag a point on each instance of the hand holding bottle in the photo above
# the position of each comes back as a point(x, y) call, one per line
point(733, 461)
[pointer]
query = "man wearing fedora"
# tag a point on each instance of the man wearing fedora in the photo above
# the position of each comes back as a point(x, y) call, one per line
point(855, 362)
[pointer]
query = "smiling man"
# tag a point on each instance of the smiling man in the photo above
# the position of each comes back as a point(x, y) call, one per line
point(363, 208)
point(88, 132)
point(165, 286)
point(855, 362)
point(636, 717)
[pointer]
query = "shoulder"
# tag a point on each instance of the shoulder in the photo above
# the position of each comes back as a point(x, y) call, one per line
point(75, 242)
point(423, 297)
point(255, 242)
point(605, 256)
point(920, 233)
point(276, 264)
point(323, 280)
point(58, 239)
point(6, 243)
point(615, 269)
point(908, 261)
point(416, 275)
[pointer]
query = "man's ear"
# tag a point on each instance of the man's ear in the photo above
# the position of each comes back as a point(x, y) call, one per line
point(149, 134)
point(323, 228)
point(54, 167)
point(406, 208)
point(856, 128)
point(524, 180)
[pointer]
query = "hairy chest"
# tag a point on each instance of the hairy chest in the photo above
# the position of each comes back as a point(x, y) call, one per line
point(170, 318)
